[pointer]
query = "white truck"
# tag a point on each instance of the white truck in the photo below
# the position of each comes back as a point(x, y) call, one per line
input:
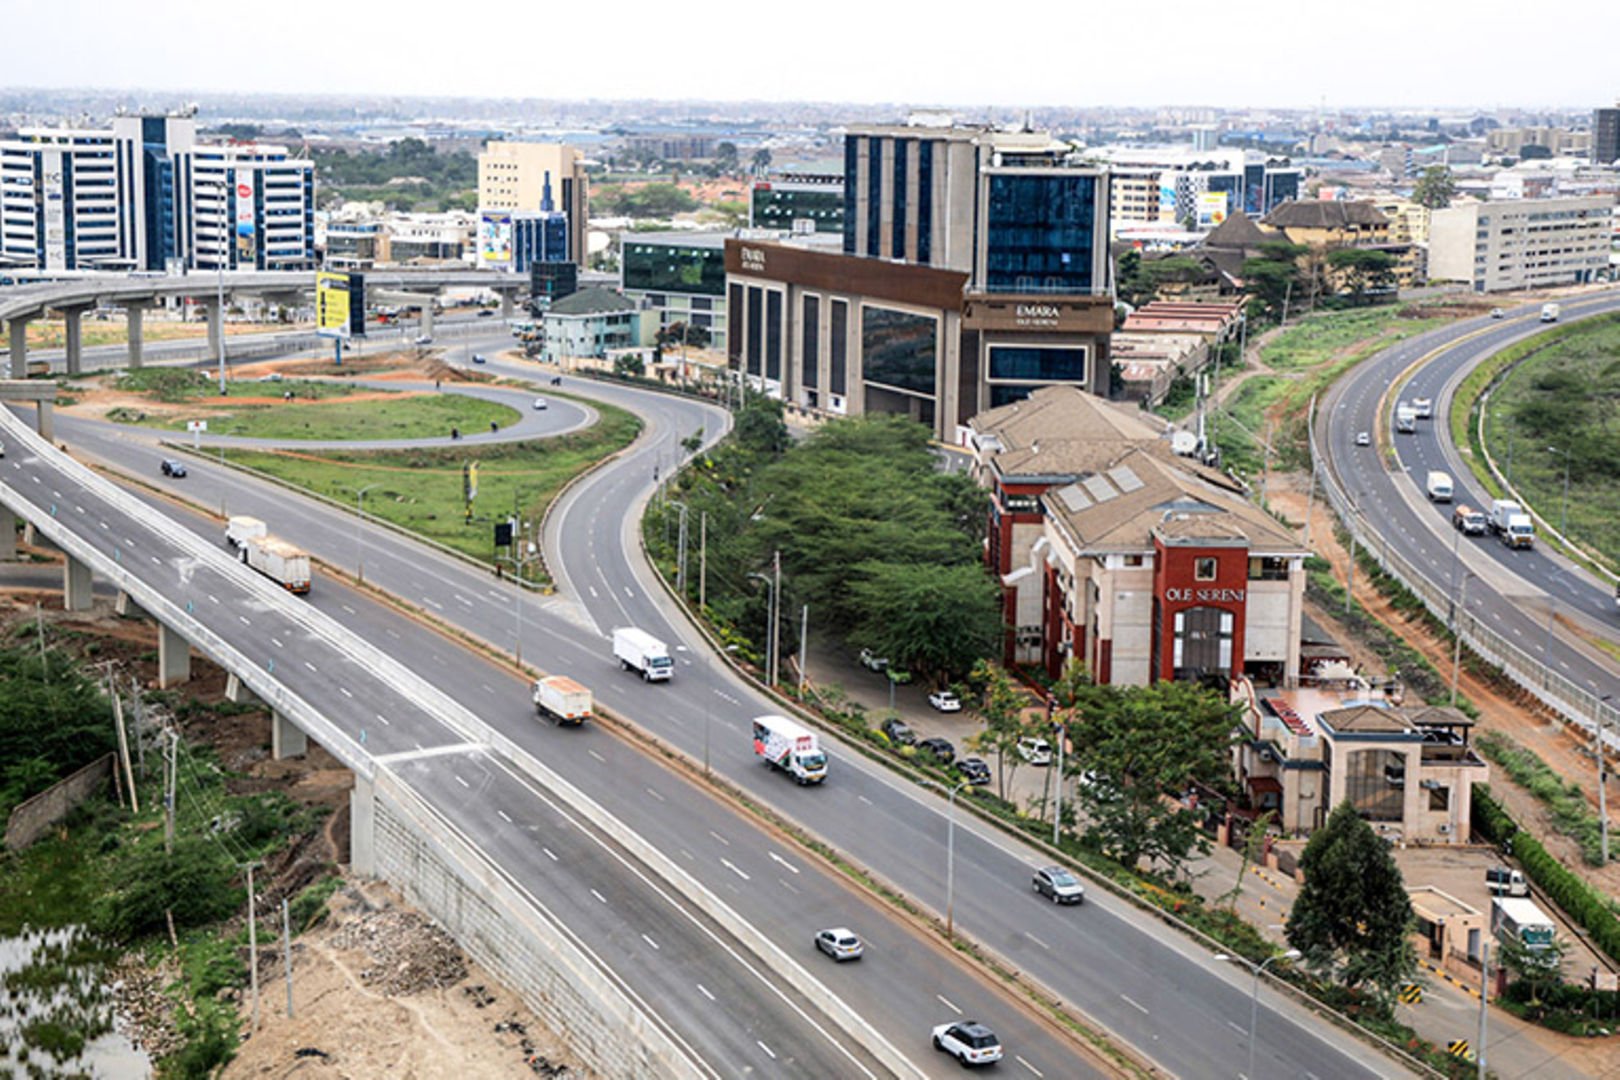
point(284, 563)
point(786, 744)
point(1509, 521)
point(1549, 312)
point(562, 700)
point(1438, 486)
point(1424, 407)
point(638, 651)
point(1406, 419)
point(1520, 918)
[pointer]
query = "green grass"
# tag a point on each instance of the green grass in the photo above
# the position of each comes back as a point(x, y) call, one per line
point(421, 490)
point(1572, 815)
point(1317, 338)
point(403, 417)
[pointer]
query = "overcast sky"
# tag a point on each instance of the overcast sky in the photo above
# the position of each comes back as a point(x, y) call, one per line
point(1035, 52)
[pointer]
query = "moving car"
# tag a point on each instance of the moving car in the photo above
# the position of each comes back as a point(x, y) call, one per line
point(940, 748)
point(899, 732)
point(540, 403)
point(1058, 884)
point(479, 358)
point(969, 1042)
point(1497, 313)
point(424, 339)
point(1363, 439)
point(945, 701)
point(173, 468)
point(1034, 750)
point(974, 771)
point(1465, 519)
point(871, 661)
point(840, 943)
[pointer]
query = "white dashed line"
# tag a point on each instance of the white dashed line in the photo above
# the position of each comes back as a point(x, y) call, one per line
point(720, 838)
point(787, 885)
point(1239, 1028)
point(460, 781)
point(344, 690)
point(381, 719)
point(631, 594)
point(951, 1005)
point(390, 632)
point(1138, 1006)
point(729, 865)
point(504, 817)
point(244, 619)
point(157, 560)
point(704, 990)
point(597, 756)
point(864, 799)
point(787, 865)
point(552, 855)
point(1037, 941)
point(599, 896)
point(593, 591)
point(277, 643)
point(347, 608)
point(1027, 1065)
point(761, 1045)
point(655, 794)
point(487, 688)
point(649, 941)
point(212, 599)
point(311, 667)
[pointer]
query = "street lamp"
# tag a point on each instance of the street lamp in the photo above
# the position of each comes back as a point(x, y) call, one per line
point(1563, 507)
point(524, 553)
point(950, 854)
point(1254, 1003)
point(1458, 610)
point(770, 630)
point(221, 252)
point(359, 534)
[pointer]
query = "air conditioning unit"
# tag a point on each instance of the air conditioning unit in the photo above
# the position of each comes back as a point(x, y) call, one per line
point(1445, 830)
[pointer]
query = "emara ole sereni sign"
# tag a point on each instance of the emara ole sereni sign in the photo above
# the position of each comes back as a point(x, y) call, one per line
point(1036, 314)
point(1205, 596)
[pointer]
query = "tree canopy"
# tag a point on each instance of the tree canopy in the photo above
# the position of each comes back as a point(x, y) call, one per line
point(1435, 188)
point(53, 720)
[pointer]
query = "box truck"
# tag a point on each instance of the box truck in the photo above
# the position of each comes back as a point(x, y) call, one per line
point(1514, 917)
point(1405, 419)
point(788, 745)
point(1549, 312)
point(1438, 485)
point(638, 651)
point(1509, 521)
point(562, 700)
point(285, 564)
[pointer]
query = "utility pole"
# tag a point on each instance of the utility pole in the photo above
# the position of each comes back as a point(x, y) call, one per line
point(253, 948)
point(1062, 733)
point(680, 566)
point(804, 642)
point(171, 756)
point(1265, 465)
point(286, 952)
point(1603, 797)
point(123, 753)
point(776, 614)
point(1456, 636)
point(1484, 994)
point(703, 559)
point(140, 724)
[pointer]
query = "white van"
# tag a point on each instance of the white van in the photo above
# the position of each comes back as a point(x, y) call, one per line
point(1438, 487)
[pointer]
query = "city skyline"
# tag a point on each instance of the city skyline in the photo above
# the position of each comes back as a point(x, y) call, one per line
point(1106, 58)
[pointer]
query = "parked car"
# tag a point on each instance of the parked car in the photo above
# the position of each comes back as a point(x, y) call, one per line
point(479, 358)
point(945, 701)
point(974, 771)
point(871, 661)
point(1059, 885)
point(1363, 439)
point(540, 403)
point(969, 1042)
point(1034, 750)
point(940, 748)
point(173, 468)
point(1506, 881)
point(899, 732)
point(840, 943)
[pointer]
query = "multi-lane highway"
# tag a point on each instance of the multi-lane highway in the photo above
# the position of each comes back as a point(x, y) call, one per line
point(1153, 989)
point(1520, 594)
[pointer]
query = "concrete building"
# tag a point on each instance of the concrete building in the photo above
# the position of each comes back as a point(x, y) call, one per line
point(60, 207)
point(248, 205)
point(590, 323)
point(1114, 551)
point(1511, 142)
point(1196, 187)
point(1606, 135)
point(1523, 243)
point(679, 275)
point(532, 176)
point(796, 203)
point(1328, 225)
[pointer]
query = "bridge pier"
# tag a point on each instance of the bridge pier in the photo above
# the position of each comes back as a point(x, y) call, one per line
point(236, 693)
point(134, 313)
point(8, 535)
point(76, 581)
point(71, 317)
point(19, 347)
point(46, 422)
point(287, 739)
point(216, 328)
point(174, 657)
point(427, 316)
point(506, 303)
point(363, 827)
point(126, 608)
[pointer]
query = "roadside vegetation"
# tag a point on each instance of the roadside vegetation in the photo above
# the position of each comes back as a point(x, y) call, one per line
point(395, 416)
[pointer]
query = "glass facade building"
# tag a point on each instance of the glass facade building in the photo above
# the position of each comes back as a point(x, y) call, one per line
point(786, 202)
point(1041, 232)
point(899, 349)
point(680, 275)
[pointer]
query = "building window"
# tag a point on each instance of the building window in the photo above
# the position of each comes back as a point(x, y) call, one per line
point(898, 238)
point(756, 319)
point(1267, 568)
point(1041, 235)
point(734, 332)
point(1133, 560)
point(773, 335)
point(874, 196)
point(1440, 799)
point(925, 201)
point(850, 158)
point(898, 349)
point(838, 348)
point(1205, 569)
point(1039, 364)
point(810, 361)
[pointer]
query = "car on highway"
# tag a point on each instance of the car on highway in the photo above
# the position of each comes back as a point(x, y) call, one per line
point(485, 313)
point(899, 732)
point(480, 358)
point(1035, 750)
point(940, 748)
point(1497, 313)
point(945, 701)
point(871, 661)
point(424, 339)
point(2, 450)
point(969, 1042)
point(173, 468)
point(974, 771)
point(840, 943)
point(1057, 884)
point(540, 403)
point(1363, 439)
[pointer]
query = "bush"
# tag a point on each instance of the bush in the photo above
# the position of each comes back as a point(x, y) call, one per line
point(194, 882)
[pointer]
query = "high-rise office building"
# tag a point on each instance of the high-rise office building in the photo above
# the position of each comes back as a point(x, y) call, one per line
point(1606, 135)
point(250, 206)
point(526, 176)
point(795, 202)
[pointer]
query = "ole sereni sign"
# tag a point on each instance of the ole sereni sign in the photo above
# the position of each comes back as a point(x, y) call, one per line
point(1205, 596)
point(1036, 314)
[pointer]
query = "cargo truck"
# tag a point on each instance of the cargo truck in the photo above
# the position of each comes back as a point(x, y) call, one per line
point(1405, 419)
point(638, 651)
point(284, 563)
point(1549, 312)
point(788, 745)
point(1509, 521)
point(1514, 917)
point(1438, 486)
point(562, 700)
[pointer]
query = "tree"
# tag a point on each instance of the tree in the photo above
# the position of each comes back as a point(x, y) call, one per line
point(1352, 916)
point(1435, 188)
point(762, 160)
point(1136, 749)
point(629, 366)
point(1002, 706)
point(1363, 270)
point(725, 157)
point(934, 620)
point(760, 426)
point(1537, 968)
point(1272, 277)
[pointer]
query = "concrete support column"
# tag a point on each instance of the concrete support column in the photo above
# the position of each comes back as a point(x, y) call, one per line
point(75, 338)
point(46, 425)
point(126, 608)
point(363, 827)
point(238, 694)
point(216, 329)
point(427, 316)
point(286, 738)
point(19, 348)
point(76, 581)
point(174, 657)
point(8, 535)
point(134, 312)
point(506, 303)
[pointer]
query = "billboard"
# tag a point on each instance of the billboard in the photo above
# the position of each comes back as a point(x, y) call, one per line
point(332, 304)
point(1212, 208)
point(494, 238)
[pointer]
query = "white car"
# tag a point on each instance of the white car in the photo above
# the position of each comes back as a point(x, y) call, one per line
point(872, 661)
point(1497, 313)
point(840, 943)
point(945, 701)
point(969, 1042)
point(540, 403)
point(1035, 751)
point(424, 339)
point(1363, 439)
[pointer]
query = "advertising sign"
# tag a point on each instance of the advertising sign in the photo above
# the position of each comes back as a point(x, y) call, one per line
point(332, 304)
point(1211, 208)
point(55, 210)
point(246, 251)
point(494, 238)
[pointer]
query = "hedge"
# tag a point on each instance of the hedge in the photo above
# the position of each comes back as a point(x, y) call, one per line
point(1575, 897)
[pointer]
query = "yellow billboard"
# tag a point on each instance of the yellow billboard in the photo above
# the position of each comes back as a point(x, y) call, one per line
point(332, 304)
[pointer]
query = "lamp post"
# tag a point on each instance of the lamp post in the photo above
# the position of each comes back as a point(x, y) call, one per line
point(1254, 1002)
point(525, 554)
point(1563, 507)
point(770, 630)
point(1457, 612)
point(1603, 798)
point(950, 854)
point(359, 534)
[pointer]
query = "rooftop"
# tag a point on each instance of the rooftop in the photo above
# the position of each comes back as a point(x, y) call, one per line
point(592, 301)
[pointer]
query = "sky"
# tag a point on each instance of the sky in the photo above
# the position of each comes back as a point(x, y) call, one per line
point(1078, 53)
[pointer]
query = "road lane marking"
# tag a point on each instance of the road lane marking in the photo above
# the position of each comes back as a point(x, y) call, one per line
point(948, 1004)
point(593, 591)
point(1027, 1065)
point(729, 865)
point(631, 594)
point(1138, 1006)
point(550, 854)
point(649, 941)
point(344, 690)
point(436, 606)
point(312, 667)
point(488, 688)
point(213, 599)
point(381, 718)
point(1239, 1028)
point(460, 781)
point(277, 643)
point(767, 1049)
point(704, 990)
point(597, 756)
point(244, 619)
point(157, 560)
point(783, 861)
point(463, 599)
point(864, 799)
point(655, 794)
point(784, 883)
point(390, 632)
point(347, 608)
point(504, 817)
point(599, 896)
point(1037, 941)
point(720, 838)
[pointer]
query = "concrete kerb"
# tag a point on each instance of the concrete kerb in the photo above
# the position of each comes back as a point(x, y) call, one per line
point(998, 963)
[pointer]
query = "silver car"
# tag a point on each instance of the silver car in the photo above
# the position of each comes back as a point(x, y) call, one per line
point(840, 943)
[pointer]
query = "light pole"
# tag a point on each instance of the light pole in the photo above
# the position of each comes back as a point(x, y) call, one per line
point(1603, 798)
point(950, 854)
point(770, 630)
point(221, 252)
point(359, 534)
point(1254, 1002)
point(527, 553)
point(1563, 507)
point(1458, 610)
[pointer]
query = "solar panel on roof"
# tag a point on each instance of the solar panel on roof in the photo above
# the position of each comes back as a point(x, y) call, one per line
point(1126, 479)
point(1099, 487)
point(1073, 497)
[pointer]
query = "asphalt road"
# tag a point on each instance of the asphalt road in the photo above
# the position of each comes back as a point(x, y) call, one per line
point(1519, 593)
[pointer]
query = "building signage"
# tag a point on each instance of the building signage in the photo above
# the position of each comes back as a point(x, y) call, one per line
point(332, 304)
point(1036, 315)
point(495, 238)
point(1205, 596)
point(753, 259)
